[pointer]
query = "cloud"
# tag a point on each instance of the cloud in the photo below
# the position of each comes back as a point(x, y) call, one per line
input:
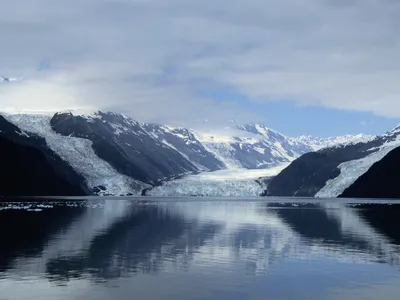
point(152, 59)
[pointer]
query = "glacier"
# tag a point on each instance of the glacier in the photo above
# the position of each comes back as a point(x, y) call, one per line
point(245, 153)
point(78, 152)
point(222, 183)
point(350, 171)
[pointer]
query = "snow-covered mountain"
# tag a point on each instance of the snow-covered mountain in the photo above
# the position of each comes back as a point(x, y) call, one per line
point(117, 155)
point(255, 146)
point(329, 172)
point(252, 146)
point(319, 143)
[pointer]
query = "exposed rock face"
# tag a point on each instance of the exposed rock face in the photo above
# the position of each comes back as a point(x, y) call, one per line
point(185, 142)
point(380, 181)
point(30, 168)
point(126, 145)
point(304, 177)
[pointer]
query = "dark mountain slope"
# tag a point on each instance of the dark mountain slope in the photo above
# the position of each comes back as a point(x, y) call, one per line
point(30, 168)
point(126, 145)
point(305, 176)
point(184, 141)
point(380, 181)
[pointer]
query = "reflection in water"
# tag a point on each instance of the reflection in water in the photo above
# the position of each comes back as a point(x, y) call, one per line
point(213, 250)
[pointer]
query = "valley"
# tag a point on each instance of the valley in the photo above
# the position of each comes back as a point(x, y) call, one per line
point(116, 155)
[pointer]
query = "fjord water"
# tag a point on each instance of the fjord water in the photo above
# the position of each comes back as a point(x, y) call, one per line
point(199, 249)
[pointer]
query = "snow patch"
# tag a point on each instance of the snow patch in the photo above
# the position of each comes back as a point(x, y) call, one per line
point(22, 133)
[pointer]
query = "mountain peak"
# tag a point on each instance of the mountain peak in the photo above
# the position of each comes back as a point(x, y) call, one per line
point(259, 129)
point(318, 143)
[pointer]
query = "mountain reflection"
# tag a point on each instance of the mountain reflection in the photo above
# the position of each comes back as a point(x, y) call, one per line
point(123, 240)
point(26, 234)
point(140, 242)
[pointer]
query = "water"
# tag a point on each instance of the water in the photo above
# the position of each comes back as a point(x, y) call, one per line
point(199, 249)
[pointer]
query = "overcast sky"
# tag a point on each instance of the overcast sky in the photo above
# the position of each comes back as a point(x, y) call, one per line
point(297, 66)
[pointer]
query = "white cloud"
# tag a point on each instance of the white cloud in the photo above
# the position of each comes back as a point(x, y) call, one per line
point(153, 58)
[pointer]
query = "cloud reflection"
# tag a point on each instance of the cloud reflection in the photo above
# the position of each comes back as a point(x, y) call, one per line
point(217, 240)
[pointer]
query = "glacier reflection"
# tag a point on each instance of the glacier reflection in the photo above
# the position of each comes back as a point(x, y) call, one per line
point(219, 240)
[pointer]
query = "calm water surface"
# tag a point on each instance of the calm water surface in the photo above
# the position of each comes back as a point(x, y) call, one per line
point(221, 249)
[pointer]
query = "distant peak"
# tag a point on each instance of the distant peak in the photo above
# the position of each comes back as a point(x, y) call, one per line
point(259, 129)
point(80, 111)
point(318, 143)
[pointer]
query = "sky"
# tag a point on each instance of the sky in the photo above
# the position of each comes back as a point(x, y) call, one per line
point(318, 67)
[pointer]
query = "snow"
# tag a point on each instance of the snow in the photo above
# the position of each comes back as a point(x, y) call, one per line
point(222, 183)
point(350, 171)
point(208, 188)
point(259, 150)
point(78, 152)
point(238, 174)
point(198, 166)
point(22, 133)
point(226, 136)
point(272, 146)
point(223, 152)
point(262, 130)
point(221, 147)
point(319, 143)
point(282, 152)
point(84, 112)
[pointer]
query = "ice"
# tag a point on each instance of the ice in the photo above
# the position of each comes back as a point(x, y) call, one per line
point(78, 152)
point(350, 171)
point(209, 188)
point(319, 143)
point(223, 152)
point(222, 183)
point(239, 174)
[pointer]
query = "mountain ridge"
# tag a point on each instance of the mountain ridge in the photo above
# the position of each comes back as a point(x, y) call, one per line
point(120, 156)
point(328, 172)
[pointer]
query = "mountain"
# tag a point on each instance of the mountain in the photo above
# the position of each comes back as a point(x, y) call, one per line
point(147, 152)
point(380, 181)
point(253, 146)
point(320, 143)
point(116, 155)
point(264, 147)
point(30, 168)
point(99, 176)
point(330, 171)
